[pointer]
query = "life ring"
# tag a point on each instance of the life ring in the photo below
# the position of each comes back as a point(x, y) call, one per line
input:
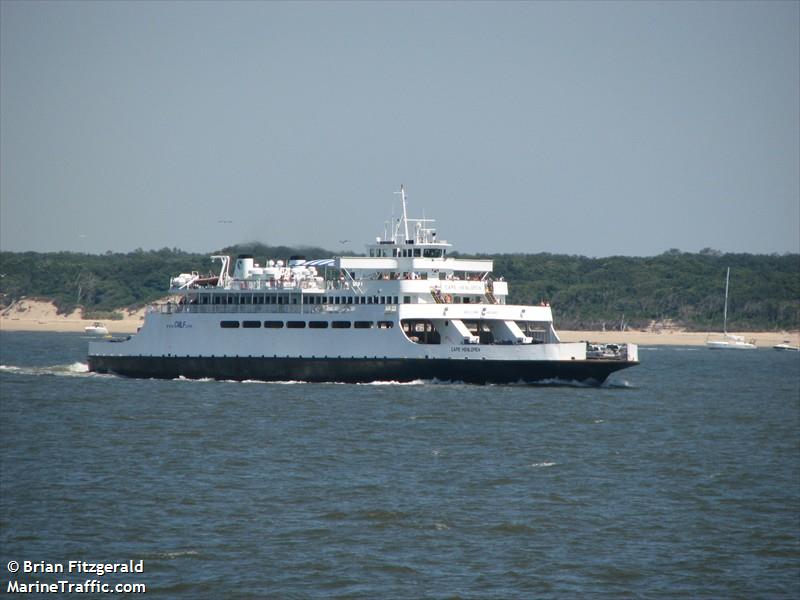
point(448, 298)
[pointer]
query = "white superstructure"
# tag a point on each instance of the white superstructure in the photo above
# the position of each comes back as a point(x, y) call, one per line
point(405, 311)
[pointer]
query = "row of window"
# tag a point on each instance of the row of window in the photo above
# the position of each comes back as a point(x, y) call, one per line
point(304, 324)
point(292, 299)
point(308, 299)
point(408, 252)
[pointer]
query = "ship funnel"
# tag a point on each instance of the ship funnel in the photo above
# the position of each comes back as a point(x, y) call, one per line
point(243, 266)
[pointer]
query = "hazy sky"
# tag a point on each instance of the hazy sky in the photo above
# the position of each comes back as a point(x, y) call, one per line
point(581, 128)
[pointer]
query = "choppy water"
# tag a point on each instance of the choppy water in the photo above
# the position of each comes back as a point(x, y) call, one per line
point(681, 479)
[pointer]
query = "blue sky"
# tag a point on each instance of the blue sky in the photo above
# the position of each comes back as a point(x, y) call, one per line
point(581, 128)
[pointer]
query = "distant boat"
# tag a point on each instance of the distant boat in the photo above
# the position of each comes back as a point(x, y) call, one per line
point(96, 328)
point(787, 345)
point(729, 341)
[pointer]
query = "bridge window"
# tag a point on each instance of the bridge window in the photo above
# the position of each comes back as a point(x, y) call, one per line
point(229, 324)
point(318, 324)
point(273, 324)
point(251, 324)
point(296, 324)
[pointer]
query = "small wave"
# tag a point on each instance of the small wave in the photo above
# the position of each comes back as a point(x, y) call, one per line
point(240, 381)
point(303, 382)
point(555, 382)
point(543, 465)
point(616, 383)
point(177, 554)
point(415, 382)
point(194, 379)
point(386, 515)
point(513, 528)
point(396, 569)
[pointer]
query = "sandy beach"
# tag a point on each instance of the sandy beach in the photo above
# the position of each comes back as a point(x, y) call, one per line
point(763, 339)
point(38, 315)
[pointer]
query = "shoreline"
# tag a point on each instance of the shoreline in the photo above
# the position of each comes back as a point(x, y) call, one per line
point(38, 315)
point(762, 339)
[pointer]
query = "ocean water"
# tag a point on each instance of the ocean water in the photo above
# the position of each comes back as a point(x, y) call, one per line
point(678, 479)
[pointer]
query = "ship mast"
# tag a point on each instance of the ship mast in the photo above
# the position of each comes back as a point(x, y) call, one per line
point(405, 216)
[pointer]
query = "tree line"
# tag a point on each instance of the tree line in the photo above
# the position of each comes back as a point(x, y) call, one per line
point(674, 288)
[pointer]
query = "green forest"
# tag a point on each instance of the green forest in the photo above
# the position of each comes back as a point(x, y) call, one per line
point(674, 288)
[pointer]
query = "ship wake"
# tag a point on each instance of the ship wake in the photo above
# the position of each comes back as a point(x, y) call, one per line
point(76, 369)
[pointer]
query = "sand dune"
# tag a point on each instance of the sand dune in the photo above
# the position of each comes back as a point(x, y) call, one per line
point(41, 315)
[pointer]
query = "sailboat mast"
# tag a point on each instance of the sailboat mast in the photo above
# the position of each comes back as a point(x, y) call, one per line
point(725, 312)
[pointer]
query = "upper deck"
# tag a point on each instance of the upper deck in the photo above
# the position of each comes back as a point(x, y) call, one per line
point(411, 245)
point(408, 261)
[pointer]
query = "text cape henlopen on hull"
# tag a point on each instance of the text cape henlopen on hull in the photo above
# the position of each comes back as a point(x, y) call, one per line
point(407, 311)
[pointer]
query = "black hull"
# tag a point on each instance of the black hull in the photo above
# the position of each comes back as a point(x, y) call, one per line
point(353, 370)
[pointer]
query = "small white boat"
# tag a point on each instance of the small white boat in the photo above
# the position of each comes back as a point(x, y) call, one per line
point(96, 328)
point(787, 346)
point(729, 341)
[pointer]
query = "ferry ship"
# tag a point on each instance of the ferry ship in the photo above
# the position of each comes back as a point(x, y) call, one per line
point(406, 311)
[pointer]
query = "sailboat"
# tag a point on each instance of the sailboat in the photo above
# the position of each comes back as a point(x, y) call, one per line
point(729, 341)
